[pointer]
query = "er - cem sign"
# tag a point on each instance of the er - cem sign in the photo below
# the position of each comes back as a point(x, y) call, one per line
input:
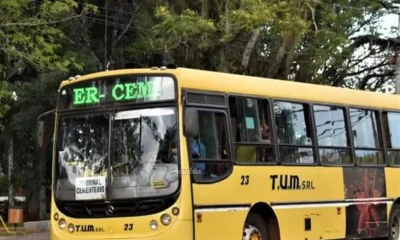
point(124, 89)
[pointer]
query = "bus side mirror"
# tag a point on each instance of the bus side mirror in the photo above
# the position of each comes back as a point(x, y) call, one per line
point(191, 122)
point(44, 127)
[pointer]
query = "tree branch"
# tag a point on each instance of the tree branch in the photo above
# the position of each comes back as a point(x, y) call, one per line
point(364, 81)
point(127, 26)
point(313, 18)
point(249, 47)
point(40, 23)
point(364, 39)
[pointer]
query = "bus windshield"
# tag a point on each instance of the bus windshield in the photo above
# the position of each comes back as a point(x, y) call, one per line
point(138, 145)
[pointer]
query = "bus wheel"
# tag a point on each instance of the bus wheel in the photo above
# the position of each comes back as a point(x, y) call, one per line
point(255, 228)
point(395, 224)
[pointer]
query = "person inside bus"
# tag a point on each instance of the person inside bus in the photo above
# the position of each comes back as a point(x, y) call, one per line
point(265, 130)
point(198, 151)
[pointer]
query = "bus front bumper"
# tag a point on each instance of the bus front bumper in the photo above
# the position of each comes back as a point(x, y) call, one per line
point(181, 229)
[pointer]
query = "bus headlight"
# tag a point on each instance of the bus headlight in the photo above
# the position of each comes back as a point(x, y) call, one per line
point(165, 219)
point(153, 224)
point(56, 216)
point(62, 223)
point(71, 228)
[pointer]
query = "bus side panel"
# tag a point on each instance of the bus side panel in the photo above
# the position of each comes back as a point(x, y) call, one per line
point(324, 223)
point(314, 213)
point(369, 219)
point(296, 195)
point(392, 186)
point(219, 223)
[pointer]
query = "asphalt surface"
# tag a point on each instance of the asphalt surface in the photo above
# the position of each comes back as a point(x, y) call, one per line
point(45, 236)
point(35, 236)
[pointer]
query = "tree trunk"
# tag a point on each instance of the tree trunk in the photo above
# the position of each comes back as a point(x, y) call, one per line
point(11, 202)
point(42, 181)
point(223, 64)
point(249, 48)
point(204, 9)
point(38, 203)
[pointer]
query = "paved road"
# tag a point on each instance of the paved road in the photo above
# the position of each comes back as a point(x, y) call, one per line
point(36, 236)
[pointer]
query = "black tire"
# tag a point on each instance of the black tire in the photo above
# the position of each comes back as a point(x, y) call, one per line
point(254, 219)
point(394, 223)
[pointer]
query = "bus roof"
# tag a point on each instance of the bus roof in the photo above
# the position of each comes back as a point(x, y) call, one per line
point(263, 87)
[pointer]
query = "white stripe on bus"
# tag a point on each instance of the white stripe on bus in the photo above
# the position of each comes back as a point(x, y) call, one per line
point(222, 209)
point(324, 205)
point(345, 203)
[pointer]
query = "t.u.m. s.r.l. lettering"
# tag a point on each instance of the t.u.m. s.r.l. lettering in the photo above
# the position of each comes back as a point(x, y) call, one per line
point(290, 182)
point(88, 228)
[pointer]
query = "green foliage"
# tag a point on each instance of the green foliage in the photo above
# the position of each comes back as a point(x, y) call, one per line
point(250, 15)
point(174, 29)
point(4, 106)
point(29, 33)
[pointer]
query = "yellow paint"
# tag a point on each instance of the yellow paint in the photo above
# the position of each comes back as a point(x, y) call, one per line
point(327, 222)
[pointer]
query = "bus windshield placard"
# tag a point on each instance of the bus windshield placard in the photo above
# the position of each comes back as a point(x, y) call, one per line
point(121, 89)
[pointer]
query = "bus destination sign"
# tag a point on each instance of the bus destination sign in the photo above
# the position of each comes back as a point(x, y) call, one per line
point(118, 89)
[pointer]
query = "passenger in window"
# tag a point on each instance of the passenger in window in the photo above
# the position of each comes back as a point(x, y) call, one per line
point(266, 133)
point(198, 151)
point(198, 148)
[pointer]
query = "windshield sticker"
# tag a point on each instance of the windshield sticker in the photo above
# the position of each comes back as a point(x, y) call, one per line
point(159, 184)
point(89, 188)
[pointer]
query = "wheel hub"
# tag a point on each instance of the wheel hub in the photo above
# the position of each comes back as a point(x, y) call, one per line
point(395, 229)
point(252, 233)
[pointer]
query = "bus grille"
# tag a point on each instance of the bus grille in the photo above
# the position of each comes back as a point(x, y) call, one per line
point(99, 210)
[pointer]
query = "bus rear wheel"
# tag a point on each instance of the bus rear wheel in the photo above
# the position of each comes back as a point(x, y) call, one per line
point(394, 233)
point(255, 228)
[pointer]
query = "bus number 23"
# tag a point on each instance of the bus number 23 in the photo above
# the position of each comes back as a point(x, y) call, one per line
point(128, 227)
point(245, 179)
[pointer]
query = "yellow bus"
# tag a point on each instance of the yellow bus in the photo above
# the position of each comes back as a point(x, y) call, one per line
point(189, 154)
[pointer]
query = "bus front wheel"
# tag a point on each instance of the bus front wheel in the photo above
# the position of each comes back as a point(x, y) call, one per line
point(394, 233)
point(255, 228)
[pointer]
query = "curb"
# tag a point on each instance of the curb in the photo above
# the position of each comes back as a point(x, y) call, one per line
point(37, 226)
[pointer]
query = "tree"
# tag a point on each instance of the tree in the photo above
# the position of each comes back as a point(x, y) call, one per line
point(309, 41)
point(32, 37)
point(4, 107)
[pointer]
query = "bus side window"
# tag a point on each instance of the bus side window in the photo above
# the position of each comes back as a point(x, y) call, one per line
point(366, 140)
point(391, 124)
point(210, 149)
point(294, 132)
point(251, 124)
point(332, 135)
